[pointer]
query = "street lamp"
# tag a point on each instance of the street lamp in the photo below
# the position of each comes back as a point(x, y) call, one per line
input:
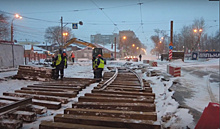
point(199, 32)
point(122, 40)
point(12, 32)
point(17, 16)
point(65, 34)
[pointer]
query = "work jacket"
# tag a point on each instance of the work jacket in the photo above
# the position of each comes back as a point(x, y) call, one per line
point(61, 61)
point(100, 63)
point(73, 56)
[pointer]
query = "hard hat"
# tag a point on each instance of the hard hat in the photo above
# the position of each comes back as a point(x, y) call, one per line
point(99, 55)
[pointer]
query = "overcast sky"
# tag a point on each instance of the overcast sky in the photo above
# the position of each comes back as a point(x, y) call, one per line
point(116, 15)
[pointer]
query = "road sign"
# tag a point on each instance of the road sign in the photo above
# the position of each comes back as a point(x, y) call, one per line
point(171, 47)
point(171, 44)
point(75, 25)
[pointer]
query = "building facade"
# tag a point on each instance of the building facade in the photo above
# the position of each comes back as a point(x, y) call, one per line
point(104, 39)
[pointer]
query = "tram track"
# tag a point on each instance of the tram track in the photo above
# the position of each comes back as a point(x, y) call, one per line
point(121, 100)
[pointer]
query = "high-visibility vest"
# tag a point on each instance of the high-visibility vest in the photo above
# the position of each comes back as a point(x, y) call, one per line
point(59, 59)
point(93, 64)
point(101, 64)
point(73, 56)
point(65, 61)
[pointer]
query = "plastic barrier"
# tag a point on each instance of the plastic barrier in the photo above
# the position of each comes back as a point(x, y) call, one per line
point(174, 70)
point(146, 61)
point(209, 118)
point(153, 64)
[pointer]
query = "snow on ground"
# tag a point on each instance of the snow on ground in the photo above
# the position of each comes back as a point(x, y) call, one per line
point(200, 77)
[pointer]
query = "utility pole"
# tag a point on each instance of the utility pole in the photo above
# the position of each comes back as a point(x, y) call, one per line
point(61, 20)
point(12, 29)
point(171, 32)
point(115, 48)
point(171, 41)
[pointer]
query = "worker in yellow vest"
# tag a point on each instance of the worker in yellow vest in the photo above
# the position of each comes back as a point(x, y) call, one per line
point(99, 66)
point(61, 62)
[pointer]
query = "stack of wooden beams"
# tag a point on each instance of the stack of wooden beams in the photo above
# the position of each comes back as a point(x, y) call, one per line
point(34, 73)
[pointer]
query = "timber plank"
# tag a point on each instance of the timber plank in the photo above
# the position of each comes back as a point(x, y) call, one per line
point(50, 89)
point(60, 84)
point(63, 100)
point(61, 94)
point(35, 108)
point(10, 124)
point(23, 115)
point(105, 121)
point(61, 125)
point(147, 89)
point(141, 93)
point(147, 107)
point(48, 104)
point(113, 113)
point(56, 87)
point(116, 95)
point(115, 99)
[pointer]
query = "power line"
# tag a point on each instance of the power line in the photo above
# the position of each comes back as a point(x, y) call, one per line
point(31, 18)
point(78, 10)
point(105, 14)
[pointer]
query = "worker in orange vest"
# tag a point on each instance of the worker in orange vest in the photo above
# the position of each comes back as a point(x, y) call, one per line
point(72, 56)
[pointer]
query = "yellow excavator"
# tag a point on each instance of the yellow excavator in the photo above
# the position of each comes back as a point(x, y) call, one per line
point(95, 51)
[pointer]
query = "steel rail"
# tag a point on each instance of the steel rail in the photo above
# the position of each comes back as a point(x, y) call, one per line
point(110, 80)
point(139, 78)
point(15, 105)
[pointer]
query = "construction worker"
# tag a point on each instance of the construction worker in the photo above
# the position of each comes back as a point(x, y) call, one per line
point(99, 66)
point(61, 62)
point(72, 56)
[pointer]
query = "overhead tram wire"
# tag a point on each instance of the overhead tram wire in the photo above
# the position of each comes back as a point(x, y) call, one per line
point(78, 10)
point(105, 14)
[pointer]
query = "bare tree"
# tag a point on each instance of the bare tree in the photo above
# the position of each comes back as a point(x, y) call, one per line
point(159, 44)
point(198, 24)
point(190, 39)
point(4, 27)
point(53, 34)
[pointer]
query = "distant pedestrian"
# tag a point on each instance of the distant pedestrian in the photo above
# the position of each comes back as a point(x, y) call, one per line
point(72, 56)
point(140, 56)
point(61, 63)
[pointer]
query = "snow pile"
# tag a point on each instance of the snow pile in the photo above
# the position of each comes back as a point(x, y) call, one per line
point(168, 113)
